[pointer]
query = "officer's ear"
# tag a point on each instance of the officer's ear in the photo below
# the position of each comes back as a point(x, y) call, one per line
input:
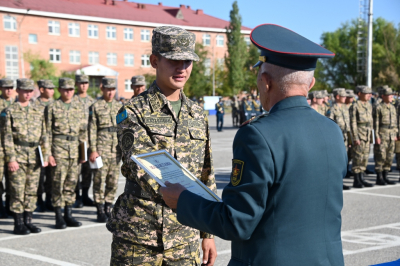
point(312, 83)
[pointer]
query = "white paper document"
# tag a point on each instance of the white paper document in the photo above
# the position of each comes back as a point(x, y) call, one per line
point(98, 163)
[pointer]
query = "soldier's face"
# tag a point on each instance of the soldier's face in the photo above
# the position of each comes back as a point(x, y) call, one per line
point(66, 94)
point(7, 92)
point(341, 99)
point(138, 89)
point(108, 93)
point(364, 96)
point(83, 87)
point(349, 100)
point(24, 95)
point(46, 93)
point(320, 101)
point(387, 98)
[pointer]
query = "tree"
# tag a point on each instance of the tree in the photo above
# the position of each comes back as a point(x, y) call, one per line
point(250, 72)
point(40, 68)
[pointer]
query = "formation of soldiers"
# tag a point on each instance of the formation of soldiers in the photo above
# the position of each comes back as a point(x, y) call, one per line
point(364, 123)
point(43, 149)
point(243, 110)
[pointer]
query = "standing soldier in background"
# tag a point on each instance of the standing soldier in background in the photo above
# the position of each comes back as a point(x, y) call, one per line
point(104, 143)
point(138, 85)
point(350, 98)
point(340, 115)
point(24, 131)
point(318, 102)
point(67, 126)
point(235, 111)
point(349, 101)
point(386, 129)
point(6, 86)
point(248, 107)
point(82, 82)
point(46, 88)
point(361, 128)
point(219, 107)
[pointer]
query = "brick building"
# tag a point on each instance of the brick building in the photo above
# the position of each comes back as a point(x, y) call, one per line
point(100, 37)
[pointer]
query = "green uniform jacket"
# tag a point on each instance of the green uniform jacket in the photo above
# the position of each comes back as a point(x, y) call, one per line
point(385, 121)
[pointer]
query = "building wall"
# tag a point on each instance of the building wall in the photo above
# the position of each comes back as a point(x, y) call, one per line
point(45, 41)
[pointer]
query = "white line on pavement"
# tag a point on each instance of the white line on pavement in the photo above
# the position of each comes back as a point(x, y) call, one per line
point(374, 194)
point(36, 257)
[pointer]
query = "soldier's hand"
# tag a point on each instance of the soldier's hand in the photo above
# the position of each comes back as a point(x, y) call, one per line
point(357, 142)
point(52, 161)
point(13, 166)
point(45, 164)
point(209, 251)
point(82, 161)
point(171, 194)
point(93, 156)
point(378, 141)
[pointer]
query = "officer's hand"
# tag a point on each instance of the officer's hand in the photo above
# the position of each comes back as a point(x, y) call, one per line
point(209, 251)
point(93, 156)
point(357, 142)
point(171, 194)
point(45, 164)
point(82, 161)
point(13, 166)
point(52, 161)
point(378, 141)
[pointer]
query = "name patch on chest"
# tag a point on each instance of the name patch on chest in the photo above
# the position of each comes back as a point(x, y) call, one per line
point(195, 123)
point(158, 120)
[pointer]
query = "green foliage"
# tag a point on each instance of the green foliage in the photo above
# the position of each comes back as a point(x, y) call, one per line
point(40, 68)
point(149, 79)
point(250, 72)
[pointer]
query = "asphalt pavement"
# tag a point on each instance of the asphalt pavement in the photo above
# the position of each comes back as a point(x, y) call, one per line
point(370, 223)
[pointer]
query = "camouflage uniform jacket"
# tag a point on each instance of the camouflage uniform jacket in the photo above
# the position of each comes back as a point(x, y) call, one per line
point(42, 104)
point(340, 114)
point(154, 125)
point(102, 128)
point(385, 121)
point(3, 105)
point(63, 122)
point(361, 120)
point(86, 103)
point(26, 127)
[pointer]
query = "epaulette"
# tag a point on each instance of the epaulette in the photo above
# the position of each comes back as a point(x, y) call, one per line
point(253, 119)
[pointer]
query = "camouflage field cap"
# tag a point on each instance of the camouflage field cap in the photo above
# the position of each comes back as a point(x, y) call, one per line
point(335, 91)
point(363, 89)
point(138, 81)
point(342, 93)
point(108, 83)
point(174, 43)
point(66, 83)
point(325, 93)
point(81, 78)
point(25, 84)
point(350, 93)
point(319, 94)
point(45, 83)
point(386, 90)
point(6, 83)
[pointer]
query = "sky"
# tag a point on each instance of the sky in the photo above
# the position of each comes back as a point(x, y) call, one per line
point(309, 18)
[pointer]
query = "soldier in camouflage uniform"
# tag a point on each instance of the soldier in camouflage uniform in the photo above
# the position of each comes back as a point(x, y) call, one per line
point(386, 131)
point(67, 126)
point(350, 98)
point(82, 82)
point(46, 88)
point(318, 102)
point(24, 131)
point(138, 85)
point(145, 230)
point(349, 101)
point(361, 128)
point(104, 143)
point(6, 99)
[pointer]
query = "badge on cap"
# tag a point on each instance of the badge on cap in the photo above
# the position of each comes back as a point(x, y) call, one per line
point(237, 171)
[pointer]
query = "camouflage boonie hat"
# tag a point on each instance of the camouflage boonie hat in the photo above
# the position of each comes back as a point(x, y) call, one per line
point(318, 94)
point(174, 43)
point(66, 83)
point(45, 83)
point(387, 91)
point(138, 80)
point(363, 89)
point(108, 83)
point(25, 84)
point(81, 78)
point(6, 83)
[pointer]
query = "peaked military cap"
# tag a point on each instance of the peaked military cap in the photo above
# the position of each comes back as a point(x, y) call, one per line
point(138, 80)
point(66, 83)
point(81, 78)
point(45, 83)
point(285, 48)
point(25, 84)
point(6, 83)
point(363, 89)
point(108, 83)
point(174, 43)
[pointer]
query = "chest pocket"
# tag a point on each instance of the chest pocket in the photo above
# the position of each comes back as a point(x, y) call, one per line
point(197, 134)
point(18, 122)
point(103, 117)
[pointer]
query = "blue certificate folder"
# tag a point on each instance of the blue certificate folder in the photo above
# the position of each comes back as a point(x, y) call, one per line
point(393, 263)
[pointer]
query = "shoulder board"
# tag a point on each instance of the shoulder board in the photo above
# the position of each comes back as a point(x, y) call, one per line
point(253, 119)
point(122, 116)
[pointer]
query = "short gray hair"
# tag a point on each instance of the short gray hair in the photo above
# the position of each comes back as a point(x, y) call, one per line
point(285, 76)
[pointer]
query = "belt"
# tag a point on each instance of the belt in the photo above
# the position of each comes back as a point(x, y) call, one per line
point(386, 126)
point(26, 144)
point(66, 137)
point(363, 124)
point(107, 129)
point(133, 188)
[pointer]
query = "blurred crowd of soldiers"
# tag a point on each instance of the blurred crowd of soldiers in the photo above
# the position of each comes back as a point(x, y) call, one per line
point(43, 151)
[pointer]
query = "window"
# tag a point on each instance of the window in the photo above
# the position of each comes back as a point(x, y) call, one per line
point(93, 31)
point(145, 35)
point(128, 34)
point(74, 29)
point(145, 60)
point(207, 65)
point(111, 59)
point(247, 40)
point(55, 55)
point(128, 58)
point(54, 27)
point(10, 23)
point(128, 85)
point(12, 70)
point(220, 62)
point(206, 39)
point(74, 57)
point(93, 58)
point(111, 32)
point(32, 38)
point(220, 40)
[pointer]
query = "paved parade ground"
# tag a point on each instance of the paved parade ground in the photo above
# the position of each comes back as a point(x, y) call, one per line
point(370, 224)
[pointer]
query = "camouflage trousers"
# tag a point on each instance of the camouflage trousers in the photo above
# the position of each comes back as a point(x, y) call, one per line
point(360, 157)
point(105, 181)
point(384, 155)
point(64, 176)
point(23, 188)
point(126, 253)
point(4, 173)
point(86, 175)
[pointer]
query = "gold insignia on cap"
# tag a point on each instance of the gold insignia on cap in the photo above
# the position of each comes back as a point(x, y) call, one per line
point(262, 58)
point(237, 171)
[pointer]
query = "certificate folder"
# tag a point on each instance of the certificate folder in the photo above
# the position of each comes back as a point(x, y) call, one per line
point(161, 166)
point(83, 151)
point(41, 155)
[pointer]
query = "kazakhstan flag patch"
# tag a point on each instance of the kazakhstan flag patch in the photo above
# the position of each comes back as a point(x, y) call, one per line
point(122, 116)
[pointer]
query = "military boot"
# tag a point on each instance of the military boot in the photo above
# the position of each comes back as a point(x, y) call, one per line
point(101, 216)
point(8, 210)
point(29, 225)
point(3, 212)
point(60, 223)
point(49, 205)
point(345, 187)
point(85, 197)
point(368, 172)
point(386, 179)
point(107, 209)
point(40, 205)
point(78, 200)
point(19, 226)
point(357, 182)
point(379, 179)
point(71, 221)
point(365, 183)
